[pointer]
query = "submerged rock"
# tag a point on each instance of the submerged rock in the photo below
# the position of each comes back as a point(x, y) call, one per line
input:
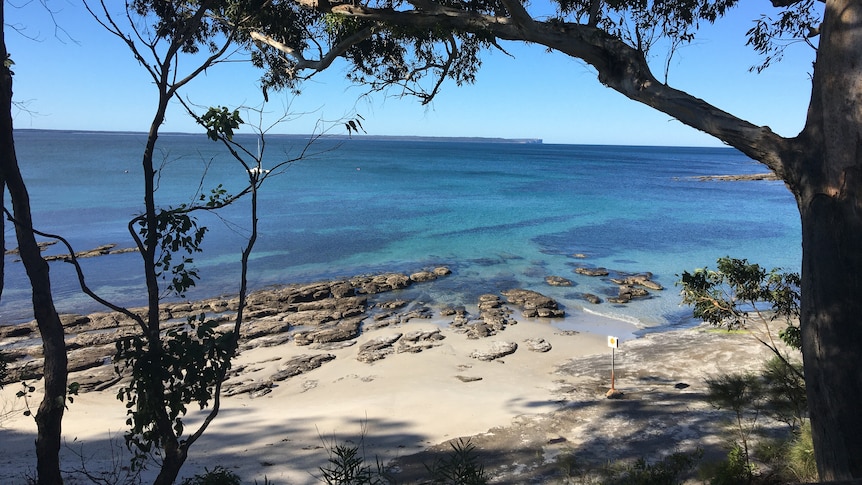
point(534, 304)
point(558, 281)
point(592, 271)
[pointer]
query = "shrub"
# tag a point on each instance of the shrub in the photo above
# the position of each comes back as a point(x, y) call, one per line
point(668, 471)
point(800, 455)
point(217, 476)
point(732, 471)
point(784, 391)
point(459, 467)
point(346, 466)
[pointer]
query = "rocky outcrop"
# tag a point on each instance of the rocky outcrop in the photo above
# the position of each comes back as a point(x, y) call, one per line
point(415, 342)
point(534, 304)
point(497, 350)
point(326, 314)
point(558, 281)
point(592, 271)
point(493, 318)
point(377, 348)
point(300, 365)
point(641, 279)
point(537, 344)
point(342, 330)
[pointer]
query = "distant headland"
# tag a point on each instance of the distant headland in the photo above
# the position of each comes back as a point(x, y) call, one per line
point(406, 138)
point(446, 139)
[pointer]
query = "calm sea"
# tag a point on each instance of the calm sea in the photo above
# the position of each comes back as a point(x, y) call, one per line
point(500, 215)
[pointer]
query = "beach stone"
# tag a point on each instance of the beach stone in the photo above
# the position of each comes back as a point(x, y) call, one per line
point(498, 349)
point(628, 293)
point(558, 281)
point(415, 342)
point(538, 344)
point(392, 304)
point(377, 348)
point(344, 330)
point(442, 271)
point(260, 328)
point(422, 276)
point(300, 365)
point(306, 293)
point(468, 378)
point(380, 283)
point(73, 320)
point(595, 300)
point(493, 318)
point(592, 271)
point(21, 330)
point(643, 279)
point(534, 304)
point(252, 388)
point(342, 289)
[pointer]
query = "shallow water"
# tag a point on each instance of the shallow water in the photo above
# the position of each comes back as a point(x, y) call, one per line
point(499, 215)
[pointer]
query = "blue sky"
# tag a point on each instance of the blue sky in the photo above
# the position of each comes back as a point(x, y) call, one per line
point(94, 83)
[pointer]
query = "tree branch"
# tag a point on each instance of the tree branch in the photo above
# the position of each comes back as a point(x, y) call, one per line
point(301, 63)
point(620, 67)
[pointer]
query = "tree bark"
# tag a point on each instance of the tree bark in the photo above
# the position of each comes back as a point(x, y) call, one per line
point(49, 416)
point(174, 457)
point(829, 182)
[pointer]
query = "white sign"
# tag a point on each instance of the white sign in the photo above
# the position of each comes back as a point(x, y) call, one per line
point(613, 342)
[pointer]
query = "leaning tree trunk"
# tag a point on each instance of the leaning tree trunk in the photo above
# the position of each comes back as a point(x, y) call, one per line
point(828, 183)
point(49, 417)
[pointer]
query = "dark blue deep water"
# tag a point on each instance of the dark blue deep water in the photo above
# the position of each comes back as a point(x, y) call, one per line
point(500, 215)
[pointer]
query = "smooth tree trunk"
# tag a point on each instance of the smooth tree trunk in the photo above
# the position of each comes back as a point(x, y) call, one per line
point(49, 416)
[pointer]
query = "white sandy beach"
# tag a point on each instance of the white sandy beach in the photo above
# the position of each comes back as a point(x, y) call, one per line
point(401, 404)
point(523, 409)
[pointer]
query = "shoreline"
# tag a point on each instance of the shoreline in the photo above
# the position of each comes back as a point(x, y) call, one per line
point(437, 380)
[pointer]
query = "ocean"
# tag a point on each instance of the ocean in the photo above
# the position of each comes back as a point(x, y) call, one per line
point(500, 215)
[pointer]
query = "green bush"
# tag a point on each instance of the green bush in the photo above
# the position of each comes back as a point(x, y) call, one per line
point(784, 389)
point(800, 455)
point(217, 476)
point(668, 471)
point(734, 470)
point(346, 466)
point(459, 467)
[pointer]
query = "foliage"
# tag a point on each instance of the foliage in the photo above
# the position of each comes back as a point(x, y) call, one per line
point(800, 460)
point(742, 394)
point(217, 476)
point(346, 466)
point(784, 391)
point(176, 231)
point(770, 37)
point(191, 361)
point(460, 466)
point(220, 122)
point(728, 296)
point(668, 471)
point(734, 470)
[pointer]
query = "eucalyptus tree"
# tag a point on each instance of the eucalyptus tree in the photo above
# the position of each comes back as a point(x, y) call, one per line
point(418, 44)
point(174, 367)
point(49, 416)
point(171, 368)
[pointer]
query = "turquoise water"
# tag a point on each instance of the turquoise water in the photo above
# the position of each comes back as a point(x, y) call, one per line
point(500, 215)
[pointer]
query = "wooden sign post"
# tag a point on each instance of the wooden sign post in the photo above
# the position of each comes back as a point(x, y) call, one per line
point(614, 344)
